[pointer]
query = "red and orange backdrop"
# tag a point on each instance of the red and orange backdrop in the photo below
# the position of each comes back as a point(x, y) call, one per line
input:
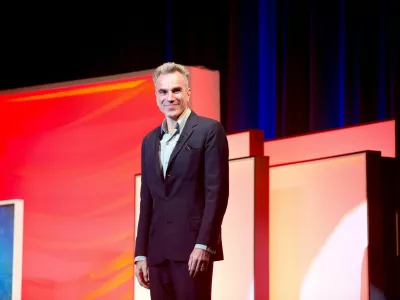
point(71, 153)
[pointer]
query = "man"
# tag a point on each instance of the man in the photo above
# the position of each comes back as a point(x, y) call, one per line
point(184, 195)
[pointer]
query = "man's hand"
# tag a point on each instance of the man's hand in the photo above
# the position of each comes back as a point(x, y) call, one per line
point(142, 274)
point(198, 261)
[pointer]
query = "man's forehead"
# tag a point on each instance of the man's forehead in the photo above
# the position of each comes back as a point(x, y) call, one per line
point(170, 79)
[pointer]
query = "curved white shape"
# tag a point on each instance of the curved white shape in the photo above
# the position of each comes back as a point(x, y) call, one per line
point(335, 273)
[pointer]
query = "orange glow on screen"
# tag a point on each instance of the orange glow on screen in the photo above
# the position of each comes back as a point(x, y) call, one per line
point(318, 229)
point(71, 153)
point(73, 91)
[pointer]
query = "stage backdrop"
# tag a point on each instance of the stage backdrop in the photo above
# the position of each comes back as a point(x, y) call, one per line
point(71, 152)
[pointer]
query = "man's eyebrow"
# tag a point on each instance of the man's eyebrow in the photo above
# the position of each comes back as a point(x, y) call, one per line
point(177, 88)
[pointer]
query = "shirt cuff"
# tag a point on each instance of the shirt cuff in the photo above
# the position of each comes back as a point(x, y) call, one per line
point(140, 258)
point(200, 246)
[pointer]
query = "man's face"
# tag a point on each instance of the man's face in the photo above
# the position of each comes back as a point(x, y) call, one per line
point(172, 95)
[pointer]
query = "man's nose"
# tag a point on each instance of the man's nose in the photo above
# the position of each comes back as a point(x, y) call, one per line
point(171, 97)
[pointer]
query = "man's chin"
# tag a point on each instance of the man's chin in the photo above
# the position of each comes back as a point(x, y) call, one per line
point(173, 114)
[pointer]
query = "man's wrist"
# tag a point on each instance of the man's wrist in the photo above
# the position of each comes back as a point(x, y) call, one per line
point(204, 247)
point(140, 258)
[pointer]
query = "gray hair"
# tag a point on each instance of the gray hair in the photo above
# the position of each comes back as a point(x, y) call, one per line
point(171, 67)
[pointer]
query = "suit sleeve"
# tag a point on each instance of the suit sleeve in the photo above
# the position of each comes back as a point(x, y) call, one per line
point(146, 207)
point(216, 172)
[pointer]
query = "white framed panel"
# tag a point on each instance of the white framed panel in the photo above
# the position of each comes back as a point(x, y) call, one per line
point(319, 229)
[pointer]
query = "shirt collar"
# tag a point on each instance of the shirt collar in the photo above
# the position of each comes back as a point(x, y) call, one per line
point(179, 124)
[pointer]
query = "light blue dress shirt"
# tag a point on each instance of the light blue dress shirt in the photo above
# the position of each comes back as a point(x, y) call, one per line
point(167, 145)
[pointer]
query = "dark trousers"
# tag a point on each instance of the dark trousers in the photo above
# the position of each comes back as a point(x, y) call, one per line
point(171, 281)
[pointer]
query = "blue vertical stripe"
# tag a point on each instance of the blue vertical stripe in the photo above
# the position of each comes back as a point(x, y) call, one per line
point(262, 69)
point(356, 101)
point(342, 63)
point(267, 68)
point(392, 84)
point(284, 66)
point(6, 250)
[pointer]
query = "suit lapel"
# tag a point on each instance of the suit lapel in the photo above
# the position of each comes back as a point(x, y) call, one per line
point(156, 153)
point(186, 133)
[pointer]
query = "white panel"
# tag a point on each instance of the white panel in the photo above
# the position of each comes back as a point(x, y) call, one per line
point(239, 145)
point(318, 229)
point(233, 277)
point(140, 293)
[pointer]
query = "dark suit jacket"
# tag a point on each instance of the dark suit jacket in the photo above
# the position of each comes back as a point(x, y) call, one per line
point(188, 206)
